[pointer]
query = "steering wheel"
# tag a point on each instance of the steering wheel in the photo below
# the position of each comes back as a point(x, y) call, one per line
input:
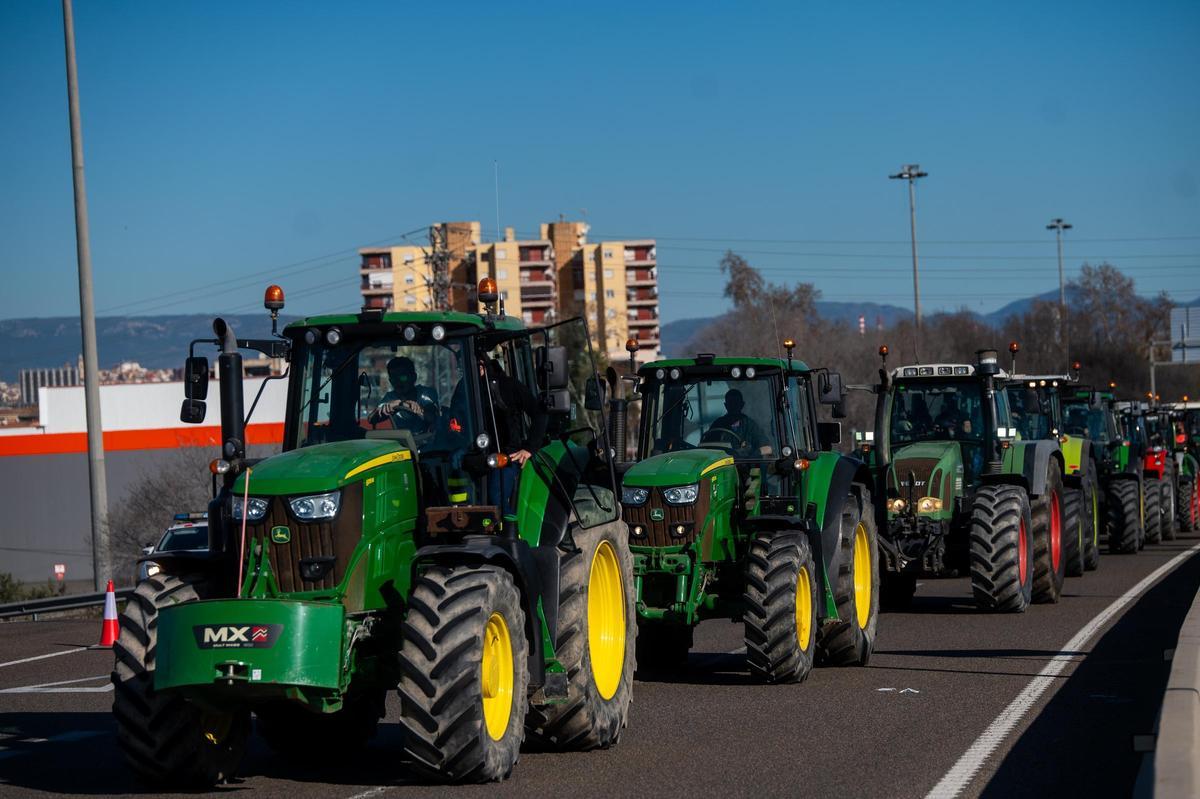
point(737, 443)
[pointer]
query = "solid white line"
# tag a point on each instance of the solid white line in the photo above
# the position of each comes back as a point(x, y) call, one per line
point(371, 792)
point(43, 657)
point(35, 688)
point(974, 759)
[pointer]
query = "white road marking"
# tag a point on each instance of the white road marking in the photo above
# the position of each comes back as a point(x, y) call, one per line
point(52, 687)
point(43, 657)
point(974, 759)
point(371, 792)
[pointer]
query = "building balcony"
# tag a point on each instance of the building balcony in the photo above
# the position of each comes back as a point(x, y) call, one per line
point(376, 291)
point(649, 322)
point(641, 302)
point(537, 302)
point(641, 282)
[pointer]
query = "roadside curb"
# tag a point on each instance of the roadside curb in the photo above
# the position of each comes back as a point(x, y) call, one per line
point(1177, 750)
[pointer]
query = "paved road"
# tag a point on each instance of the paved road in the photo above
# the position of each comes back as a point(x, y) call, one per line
point(941, 674)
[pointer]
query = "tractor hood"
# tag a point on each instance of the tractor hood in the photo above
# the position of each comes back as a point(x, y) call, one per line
point(936, 467)
point(676, 468)
point(322, 467)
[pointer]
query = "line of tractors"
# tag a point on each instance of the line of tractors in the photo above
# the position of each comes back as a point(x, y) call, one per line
point(505, 567)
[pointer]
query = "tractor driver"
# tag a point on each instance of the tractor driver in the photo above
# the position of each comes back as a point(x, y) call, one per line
point(736, 427)
point(408, 405)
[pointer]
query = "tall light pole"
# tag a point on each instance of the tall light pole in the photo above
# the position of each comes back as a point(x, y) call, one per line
point(87, 312)
point(911, 173)
point(1058, 226)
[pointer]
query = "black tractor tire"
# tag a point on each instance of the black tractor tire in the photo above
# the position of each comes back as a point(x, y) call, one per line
point(1170, 511)
point(778, 648)
point(1093, 523)
point(850, 640)
point(167, 740)
point(1049, 565)
point(1073, 543)
point(1124, 517)
point(305, 736)
point(597, 707)
point(896, 590)
point(1001, 542)
point(1154, 514)
point(662, 649)
point(442, 685)
point(1189, 506)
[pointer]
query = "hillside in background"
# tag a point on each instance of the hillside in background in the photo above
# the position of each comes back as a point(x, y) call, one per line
point(156, 342)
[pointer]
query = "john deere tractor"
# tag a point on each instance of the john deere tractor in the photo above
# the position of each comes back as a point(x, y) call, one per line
point(738, 508)
point(1038, 414)
point(367, 557)
point(964, 494)
point(1093, 413)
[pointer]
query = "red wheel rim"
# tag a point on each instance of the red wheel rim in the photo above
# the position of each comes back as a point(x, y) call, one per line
point(1022, 557)
point(1055, 532)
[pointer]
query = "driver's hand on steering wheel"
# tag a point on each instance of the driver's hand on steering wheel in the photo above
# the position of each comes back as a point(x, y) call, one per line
point(410, 405)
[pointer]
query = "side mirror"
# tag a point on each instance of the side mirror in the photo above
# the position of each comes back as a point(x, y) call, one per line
point(829, 388)
point(192, 412)
point(552, 365)
point(558, 401)
point(195, 378)
point(593, 395)
point(829, 434)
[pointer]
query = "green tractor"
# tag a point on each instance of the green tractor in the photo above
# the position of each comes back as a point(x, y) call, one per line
point(379, 552)
point(1185, 449)
point(738, 508)
point(963, 493)
point(1036, 402)
point(1093, 414)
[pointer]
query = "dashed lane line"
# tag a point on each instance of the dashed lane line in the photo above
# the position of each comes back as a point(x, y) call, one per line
point(57, 687)
point(43, 657)
point(974, 759)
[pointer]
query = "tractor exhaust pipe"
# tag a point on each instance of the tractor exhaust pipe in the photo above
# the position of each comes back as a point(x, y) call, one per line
point(618, 420)
point(233, 413)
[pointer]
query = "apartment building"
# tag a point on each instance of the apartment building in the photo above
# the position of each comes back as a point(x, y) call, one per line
point(613, 284)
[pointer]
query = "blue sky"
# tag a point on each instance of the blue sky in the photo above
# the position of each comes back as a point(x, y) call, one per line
point(232, 142)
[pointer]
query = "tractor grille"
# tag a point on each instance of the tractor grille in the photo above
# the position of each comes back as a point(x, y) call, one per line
point(335, 538)
point(660, 533)
point(922, 469)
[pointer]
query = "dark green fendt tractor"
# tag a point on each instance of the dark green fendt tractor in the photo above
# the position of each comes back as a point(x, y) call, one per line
point(1036, 402)
point(738, 508)
point(367, 558)
point(963, 495)
point(1118, 464)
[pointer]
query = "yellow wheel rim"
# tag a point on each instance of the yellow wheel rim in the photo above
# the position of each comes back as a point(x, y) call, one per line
point(606, 620)
point(862, 575)
point(804, 608)
point(497, 676)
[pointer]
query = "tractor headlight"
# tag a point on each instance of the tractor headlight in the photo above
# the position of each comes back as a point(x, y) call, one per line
point(736, 372)
point(254, 509)
point(634, 496)
point(750, 372)
point(928, 505)
point(896, 505)
point(682, 495)
point(317, 506)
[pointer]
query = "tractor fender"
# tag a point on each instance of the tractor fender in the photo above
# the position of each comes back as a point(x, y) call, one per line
point(1077, 457)
point(518, 559)
point(1028, 465)
point(844, 474)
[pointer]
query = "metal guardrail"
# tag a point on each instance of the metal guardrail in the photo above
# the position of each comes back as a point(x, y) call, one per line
point(1177, 749)
point(32, 607)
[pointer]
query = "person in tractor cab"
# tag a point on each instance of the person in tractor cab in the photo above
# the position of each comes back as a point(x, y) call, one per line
point(510, 399)
point(736, 428)
point(408, 405)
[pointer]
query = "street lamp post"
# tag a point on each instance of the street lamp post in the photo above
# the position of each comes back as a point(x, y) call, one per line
point(912, 172)
point(1058, 226)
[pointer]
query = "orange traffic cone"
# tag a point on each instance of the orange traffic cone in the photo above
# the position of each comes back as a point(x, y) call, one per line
point(109, 632)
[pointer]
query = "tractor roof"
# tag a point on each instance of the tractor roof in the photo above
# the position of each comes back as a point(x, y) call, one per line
point(936, 370)
point(415, 317)
point(1067, 380)
point(797, 364)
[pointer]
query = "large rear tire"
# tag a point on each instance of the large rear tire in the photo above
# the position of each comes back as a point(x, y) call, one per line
point(850, 640)
point(303, 735)
point(1074, 543)
point(1049, 565)
point(464, 675)
point(1124, 517)
point(780, 619)
point(1154, 515)
point(1001, 549)
point(1189, 503)
point(167, 740)
point(597, 643)
point(1093, 523)
point(1169, 510)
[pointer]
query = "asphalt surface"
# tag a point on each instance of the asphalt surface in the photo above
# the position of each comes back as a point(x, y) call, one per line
point(940, 675)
